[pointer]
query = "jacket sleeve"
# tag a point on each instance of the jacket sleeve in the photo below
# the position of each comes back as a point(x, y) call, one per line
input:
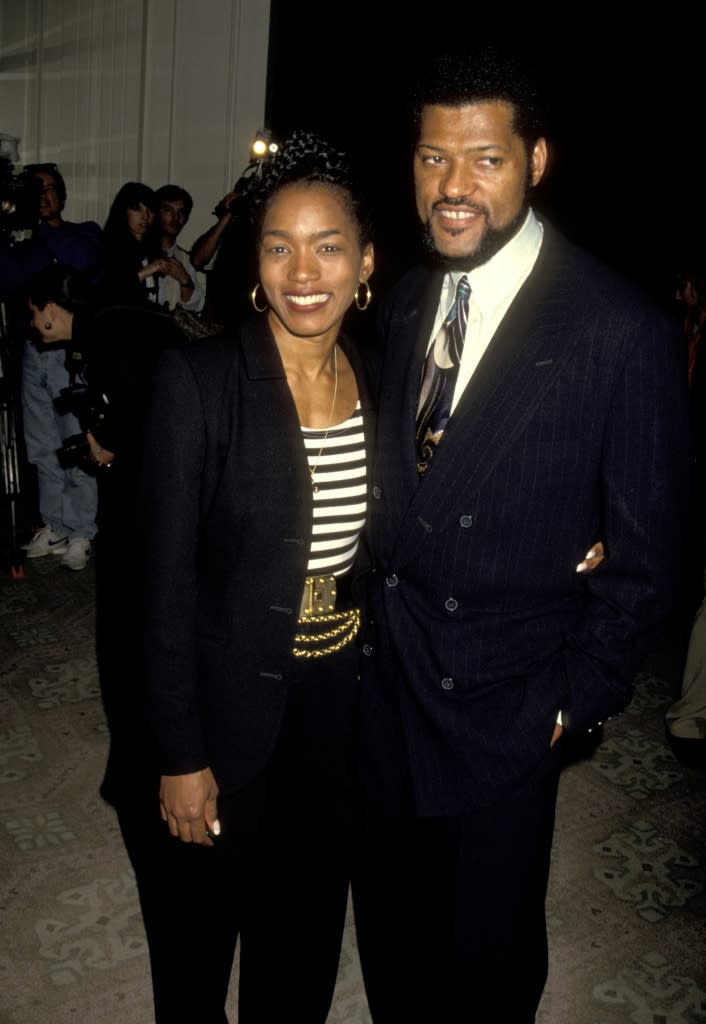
point(175, 446)
point(644, 495)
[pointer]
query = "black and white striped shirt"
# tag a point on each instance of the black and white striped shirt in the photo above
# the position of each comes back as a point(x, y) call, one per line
point(339, 494)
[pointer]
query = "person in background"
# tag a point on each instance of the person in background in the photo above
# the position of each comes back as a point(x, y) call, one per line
point(178, 284)
point(118, 348)
point(207, 245)
point(690, 294)
point(686, 717)
point(67, 494)
point(133, 254)
point(224, 254)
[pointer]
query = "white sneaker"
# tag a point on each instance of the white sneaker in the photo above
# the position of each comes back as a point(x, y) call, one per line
point(46, 542)
point(77, 553)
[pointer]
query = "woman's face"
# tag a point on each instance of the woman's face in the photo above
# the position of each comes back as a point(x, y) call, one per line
point(311, 261)
point(139, 220)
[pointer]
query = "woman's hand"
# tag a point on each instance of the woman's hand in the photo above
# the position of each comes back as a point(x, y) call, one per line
point(189, 805)
point(172, 267)
point(155, 267)
point(592, 559)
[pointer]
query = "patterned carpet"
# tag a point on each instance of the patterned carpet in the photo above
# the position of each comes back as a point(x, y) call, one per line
point(626, 905)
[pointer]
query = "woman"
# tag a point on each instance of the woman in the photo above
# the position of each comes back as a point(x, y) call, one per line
point(255, 493)
point(133, 255)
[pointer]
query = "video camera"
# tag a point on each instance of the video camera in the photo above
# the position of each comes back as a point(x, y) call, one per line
point(262, 149)
point(19, 193)
point(116, 344)
point(86, 402)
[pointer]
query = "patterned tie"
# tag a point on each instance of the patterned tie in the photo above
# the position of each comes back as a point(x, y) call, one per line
point(439, 377)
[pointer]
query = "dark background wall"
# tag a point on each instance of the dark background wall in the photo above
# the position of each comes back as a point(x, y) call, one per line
point(627, 102)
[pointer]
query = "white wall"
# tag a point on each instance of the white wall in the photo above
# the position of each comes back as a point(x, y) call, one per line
point(146, 90)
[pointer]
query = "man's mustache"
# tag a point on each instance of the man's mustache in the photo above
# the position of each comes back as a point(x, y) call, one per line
point(468, 204)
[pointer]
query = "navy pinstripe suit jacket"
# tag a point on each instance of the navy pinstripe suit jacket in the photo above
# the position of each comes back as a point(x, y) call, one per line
point(571, 430)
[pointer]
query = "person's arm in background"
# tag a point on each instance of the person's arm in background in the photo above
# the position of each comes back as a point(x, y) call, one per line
point(206, 245)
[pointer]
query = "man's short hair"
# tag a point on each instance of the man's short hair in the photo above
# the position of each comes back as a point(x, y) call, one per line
point(484, 75)
point(173, 193)
point(54, 171)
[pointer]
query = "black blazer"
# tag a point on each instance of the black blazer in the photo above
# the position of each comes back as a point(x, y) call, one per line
point(571, 430)
point(227, 514)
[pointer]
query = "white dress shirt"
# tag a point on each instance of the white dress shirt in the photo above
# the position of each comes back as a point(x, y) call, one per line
point(493, 287)
point(169, 293)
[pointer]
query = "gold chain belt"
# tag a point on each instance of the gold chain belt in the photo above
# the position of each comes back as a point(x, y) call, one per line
point(335, 631)
point(319, 596)
point(322, 629)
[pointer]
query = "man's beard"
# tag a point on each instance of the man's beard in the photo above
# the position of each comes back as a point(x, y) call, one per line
point(491, 242)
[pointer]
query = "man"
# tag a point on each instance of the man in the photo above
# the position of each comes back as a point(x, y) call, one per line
point(224, 255)
point(67, 496)
point(562, 424)
point(207, 245)
point(178, 286)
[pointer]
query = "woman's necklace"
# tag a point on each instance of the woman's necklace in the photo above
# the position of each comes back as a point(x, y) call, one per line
point(312, 469)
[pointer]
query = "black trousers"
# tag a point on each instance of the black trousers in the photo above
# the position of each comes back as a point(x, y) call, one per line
point(450, 910)
point(277, 876)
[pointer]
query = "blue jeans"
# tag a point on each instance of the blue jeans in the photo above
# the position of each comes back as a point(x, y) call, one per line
point(67, 497)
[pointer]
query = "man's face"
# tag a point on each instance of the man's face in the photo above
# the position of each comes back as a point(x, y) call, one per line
point(172, 217)
point(472, 174)
point(49, 203)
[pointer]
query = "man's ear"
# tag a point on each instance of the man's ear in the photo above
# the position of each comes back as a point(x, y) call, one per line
point(538, 161)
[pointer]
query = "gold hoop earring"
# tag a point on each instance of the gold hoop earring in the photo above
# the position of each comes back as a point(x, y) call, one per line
point(253, 299)
point(368, 296)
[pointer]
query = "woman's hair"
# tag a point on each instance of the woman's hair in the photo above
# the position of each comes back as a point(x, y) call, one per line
point(62, 285)
point(129, 197)
point(307, 159)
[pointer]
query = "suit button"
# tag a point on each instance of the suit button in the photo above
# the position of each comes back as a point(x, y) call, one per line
point(367, 650)
point(392, 580)
point(447, 683)
point(377, 492)
point(451, 604)
point(466, 521)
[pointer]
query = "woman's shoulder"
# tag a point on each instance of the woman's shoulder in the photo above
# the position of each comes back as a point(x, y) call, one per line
point(213, 355)
point(248, 348)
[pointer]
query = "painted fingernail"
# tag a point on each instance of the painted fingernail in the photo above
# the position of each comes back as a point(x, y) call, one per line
point(216, 827)
point(581, 567)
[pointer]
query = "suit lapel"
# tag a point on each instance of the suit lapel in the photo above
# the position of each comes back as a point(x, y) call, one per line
point(528, 351)
point(407, 330)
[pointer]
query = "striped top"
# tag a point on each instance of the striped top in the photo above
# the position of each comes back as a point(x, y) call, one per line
point(340, 494)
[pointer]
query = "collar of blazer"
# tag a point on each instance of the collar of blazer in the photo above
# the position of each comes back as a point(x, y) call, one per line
point(530, 348)
point(262, 362)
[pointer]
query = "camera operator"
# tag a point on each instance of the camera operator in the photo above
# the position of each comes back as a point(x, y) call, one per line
point(207, 245)
point(112, 352)
point(109, 353)
point(67, 495)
